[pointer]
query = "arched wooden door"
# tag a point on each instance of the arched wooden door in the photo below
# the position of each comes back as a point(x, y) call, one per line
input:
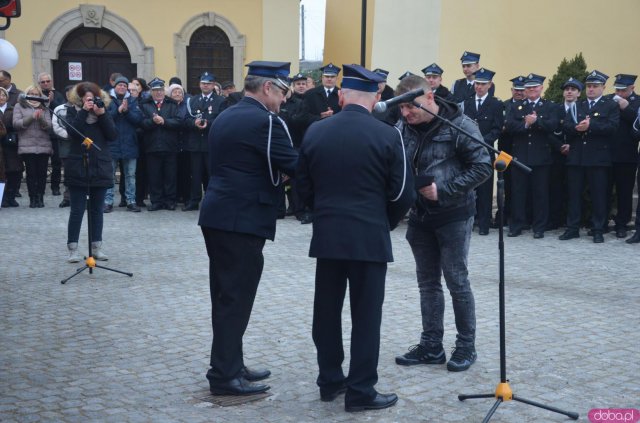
point(209, 50)
point(99, 52)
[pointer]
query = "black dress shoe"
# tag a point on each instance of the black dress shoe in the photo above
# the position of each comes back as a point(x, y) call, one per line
point(328, 395)
point(156, 206)
point(123, 203)
point(483, 232)
point(513, 234)
point(635, 239)
point(569, 234)
point(64, 203)
point(598, 238)
point(237, 386)
point(170, 206)
point(55, 191)
point(621, 233)
point(538, 235)
point(379, 402)
point(18, 194)
point(190, 207)
point(254, 375)
point(306, 219)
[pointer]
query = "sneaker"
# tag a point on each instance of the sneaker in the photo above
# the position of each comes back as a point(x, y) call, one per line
point(419, 354)
point(461, 359)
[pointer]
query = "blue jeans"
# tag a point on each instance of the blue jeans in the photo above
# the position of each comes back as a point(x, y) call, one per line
point(129, 169)
point(78, 200)
point(444, 251)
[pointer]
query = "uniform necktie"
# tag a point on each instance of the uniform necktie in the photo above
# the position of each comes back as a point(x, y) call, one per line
point(479, 103)
point(328, 92)
point(591, 103)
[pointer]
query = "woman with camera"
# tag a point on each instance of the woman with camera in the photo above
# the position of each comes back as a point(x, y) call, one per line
point(87, 169)
point(32, 122)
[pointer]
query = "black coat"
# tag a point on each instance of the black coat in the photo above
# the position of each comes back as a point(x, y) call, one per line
point(533, 145)
point(12, 161)
point(241, 196)
point(101, 133)
point(353, 173)
point(290, 112)
point(461, 90)
point(624, 143)
point(593, 146)
point(489, 118)
point(315, 102)
point(160, 138)
point(209, 110)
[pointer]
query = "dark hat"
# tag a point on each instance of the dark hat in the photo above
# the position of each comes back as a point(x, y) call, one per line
point(156, 84)
point(121, 79)
point(207, 77)
point(623, 81)
point(358, 78)
point(227, 84)
point(572, 82)
point(407, 73)
point(175, 80)
point(68, 87)
point(596, 77)
point(517, 82)
point(533, 80)
point(299, 77)
point(432, 69)
point(383, 73)
point(276, 70)
point(484, 75)
point(330, 70)
point(469, 57)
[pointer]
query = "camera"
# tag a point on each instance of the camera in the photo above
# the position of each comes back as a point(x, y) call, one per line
point(98, 102)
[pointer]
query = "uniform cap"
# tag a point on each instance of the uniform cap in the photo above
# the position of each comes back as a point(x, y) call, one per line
point(483, 75)
point(276, 70)
point(407, 73)
point(572, 82)
point(623, 81)
point(518, 82)
point(533, 80)
point(361, 79)
point(469, 57)
point(596, 77)
point(207, 77)
point(156, 84)
point(432, 69)
point(330, 70)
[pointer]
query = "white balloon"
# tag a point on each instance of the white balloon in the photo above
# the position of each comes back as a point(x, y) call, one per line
point(8, 55)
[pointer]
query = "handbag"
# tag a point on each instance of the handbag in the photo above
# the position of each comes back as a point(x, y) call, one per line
point(11, 139)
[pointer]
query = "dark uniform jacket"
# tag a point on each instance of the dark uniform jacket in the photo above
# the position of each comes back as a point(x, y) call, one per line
point(160, 138)
point(457, 163)
point(593, 146)
point(444, 93)
point(316, 102)
point(101, 133)
point(533, 145)
point(462, 90)
point(290, 112)
point(352, 172)
point(489, 118)
point(624, 143)
point(241, 196)
point(197, 106)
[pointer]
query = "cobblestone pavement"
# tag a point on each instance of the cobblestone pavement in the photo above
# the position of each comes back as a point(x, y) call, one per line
point(109, 348)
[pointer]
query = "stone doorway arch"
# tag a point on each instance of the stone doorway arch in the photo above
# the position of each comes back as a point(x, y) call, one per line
point(182, 38)
point(88, 15)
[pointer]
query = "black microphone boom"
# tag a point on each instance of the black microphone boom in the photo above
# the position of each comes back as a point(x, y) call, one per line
point(407, 97)
point(34, 98)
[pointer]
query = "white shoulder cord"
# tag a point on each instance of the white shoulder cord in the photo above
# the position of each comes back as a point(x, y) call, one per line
point(275, 182)
point(404, 161)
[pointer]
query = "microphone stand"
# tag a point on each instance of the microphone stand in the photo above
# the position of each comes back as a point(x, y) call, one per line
point(90, 261)
point(503, 391)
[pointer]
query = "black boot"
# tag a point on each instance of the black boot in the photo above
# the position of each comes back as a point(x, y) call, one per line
point(33, 201)
point(40, 201)
point(635, 239)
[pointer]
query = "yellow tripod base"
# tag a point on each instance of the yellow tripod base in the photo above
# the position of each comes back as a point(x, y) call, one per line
point(504, 392)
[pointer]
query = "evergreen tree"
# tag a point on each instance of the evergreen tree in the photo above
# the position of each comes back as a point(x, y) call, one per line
point(576, 68)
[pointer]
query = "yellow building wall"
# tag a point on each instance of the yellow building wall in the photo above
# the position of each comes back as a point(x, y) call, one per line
point(513, 36)
point(158, 21)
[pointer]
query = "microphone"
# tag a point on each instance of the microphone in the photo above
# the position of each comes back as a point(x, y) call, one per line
point(407, 97)
point(23, 96)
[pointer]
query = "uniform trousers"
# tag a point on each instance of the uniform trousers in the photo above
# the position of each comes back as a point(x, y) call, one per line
point(557, 191)
point(161, 171)
point(199, 175)
point(597, 178)
point(235, 267)
point(623, 179)
point(536, 183)
point(366, 295)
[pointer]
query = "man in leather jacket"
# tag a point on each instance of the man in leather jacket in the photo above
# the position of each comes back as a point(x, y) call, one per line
point(448, 166)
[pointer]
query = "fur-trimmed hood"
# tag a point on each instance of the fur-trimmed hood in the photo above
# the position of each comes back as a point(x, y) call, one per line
point(75, 99)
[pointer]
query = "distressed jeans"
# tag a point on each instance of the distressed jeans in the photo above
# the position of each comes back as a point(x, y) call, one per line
point(441, 251)
point(129, 168)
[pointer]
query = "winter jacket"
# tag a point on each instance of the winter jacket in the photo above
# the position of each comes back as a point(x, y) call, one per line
point(125, 145)
point(160, 138)
point(33, 134)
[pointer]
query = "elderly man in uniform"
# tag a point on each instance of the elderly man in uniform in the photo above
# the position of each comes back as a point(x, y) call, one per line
point(487, 111)
point(449, 166)
point(201, 111)
point(463, 88)
point(351, 233)
point(589, 134)
point(532, 124)
point(624, 151)
point(433, 75)
point(249, 147)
